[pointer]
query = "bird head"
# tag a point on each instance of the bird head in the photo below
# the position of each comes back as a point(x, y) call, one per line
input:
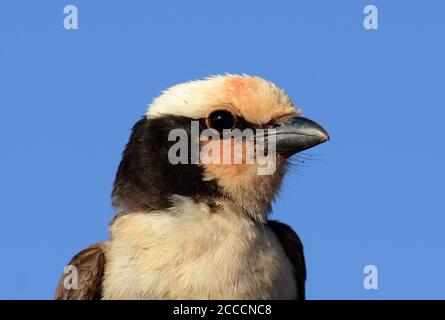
point(149, 180)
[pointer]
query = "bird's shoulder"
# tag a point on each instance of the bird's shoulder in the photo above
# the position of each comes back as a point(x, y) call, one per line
point(89, 269)
point(293, 248)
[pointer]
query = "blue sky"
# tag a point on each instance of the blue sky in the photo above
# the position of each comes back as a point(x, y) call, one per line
point(372, 195)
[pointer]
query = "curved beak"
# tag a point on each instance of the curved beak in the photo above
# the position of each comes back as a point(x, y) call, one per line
point(298, 134)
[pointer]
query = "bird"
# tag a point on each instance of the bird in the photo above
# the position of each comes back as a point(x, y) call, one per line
point(201, 229)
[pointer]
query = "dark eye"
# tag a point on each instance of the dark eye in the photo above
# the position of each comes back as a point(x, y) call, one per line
point(221, 119)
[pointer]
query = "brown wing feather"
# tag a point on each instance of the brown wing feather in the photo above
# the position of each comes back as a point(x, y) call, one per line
point(294, 250)
point(90, 264)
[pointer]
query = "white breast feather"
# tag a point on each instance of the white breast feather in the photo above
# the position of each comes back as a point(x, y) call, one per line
point(195, 253)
